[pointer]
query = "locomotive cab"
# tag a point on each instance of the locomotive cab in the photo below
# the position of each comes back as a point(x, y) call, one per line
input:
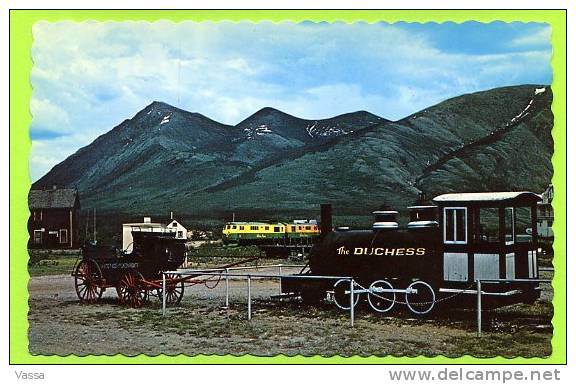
point(490, 236)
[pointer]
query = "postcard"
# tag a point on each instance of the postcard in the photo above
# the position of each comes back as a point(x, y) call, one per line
point(312, 188)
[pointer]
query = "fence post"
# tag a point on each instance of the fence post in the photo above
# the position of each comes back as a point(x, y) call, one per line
point(249, 300)
point(352, 302)
point(227, 289)
point(163, 294)
point(280, 279)
point(479, 306)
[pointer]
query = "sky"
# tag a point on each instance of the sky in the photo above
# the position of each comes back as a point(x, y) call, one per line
point(88, 77)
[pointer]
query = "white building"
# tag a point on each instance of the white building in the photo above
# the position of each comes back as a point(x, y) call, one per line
point(179, 229)
point(545, 214)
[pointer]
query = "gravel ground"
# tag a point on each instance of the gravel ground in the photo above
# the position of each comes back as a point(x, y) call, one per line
point(60, 325)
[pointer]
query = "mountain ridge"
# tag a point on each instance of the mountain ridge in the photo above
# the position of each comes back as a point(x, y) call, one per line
point(274, 161)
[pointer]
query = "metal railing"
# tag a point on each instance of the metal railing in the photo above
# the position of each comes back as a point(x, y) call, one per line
point(479, 294)
point(225, 272)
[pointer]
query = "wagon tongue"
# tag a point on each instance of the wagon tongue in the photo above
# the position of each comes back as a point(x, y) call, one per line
point(223, 267)
point(238, 263)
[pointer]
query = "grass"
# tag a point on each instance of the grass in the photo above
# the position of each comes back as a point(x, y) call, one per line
point(216, 251)
point(52, 265)
point(292, 328)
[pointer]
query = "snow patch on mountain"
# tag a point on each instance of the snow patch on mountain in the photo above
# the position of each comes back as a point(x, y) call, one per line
point(260, 130)
point(166, 119)
point(315, 131)
point(522, 114)
point(311, 129)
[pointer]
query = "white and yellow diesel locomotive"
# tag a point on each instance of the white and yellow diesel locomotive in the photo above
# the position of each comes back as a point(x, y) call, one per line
point(263, 233)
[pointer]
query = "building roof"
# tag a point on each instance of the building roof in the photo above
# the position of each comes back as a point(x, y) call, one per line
point(144, 225)
point(486, 197)
point(52, 198)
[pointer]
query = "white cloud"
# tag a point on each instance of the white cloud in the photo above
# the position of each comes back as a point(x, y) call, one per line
point(49, 116)
point(541, 37)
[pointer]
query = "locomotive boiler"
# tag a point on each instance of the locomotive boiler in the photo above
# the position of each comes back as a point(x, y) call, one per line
point(441, 254)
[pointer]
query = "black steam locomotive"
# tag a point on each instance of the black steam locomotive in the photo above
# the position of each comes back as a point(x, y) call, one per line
point(439, 257)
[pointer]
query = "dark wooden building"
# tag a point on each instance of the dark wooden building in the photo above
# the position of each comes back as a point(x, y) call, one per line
point(53, 221)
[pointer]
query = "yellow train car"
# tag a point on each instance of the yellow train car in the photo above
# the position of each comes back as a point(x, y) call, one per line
point(248, 233)
point(301, 230)
point(256, 233)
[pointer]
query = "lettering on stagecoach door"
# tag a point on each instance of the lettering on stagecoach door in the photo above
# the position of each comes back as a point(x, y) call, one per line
point(378, 251)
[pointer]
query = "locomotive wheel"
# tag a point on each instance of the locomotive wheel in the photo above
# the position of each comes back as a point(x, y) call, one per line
point(88, 281)
point(131, 290)
point(174, 290)
point(381, 301)
point(342, 294)
point(423, 301)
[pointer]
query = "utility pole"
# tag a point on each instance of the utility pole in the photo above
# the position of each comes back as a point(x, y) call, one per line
point(86, 232)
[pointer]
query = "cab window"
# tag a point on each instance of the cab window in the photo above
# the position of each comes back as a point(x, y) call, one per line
point(523, 224)
point(455, 230)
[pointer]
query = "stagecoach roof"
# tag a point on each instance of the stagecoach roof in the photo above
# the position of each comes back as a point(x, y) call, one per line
point(495, 197)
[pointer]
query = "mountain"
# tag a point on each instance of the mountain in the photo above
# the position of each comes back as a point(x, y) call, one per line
point(159, 143)
point(514, 156)
point(270, 131)
point(495, 140)
point(276, 165)
point(164, 151)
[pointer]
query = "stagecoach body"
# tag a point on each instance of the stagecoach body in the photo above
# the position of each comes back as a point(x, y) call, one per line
point(135, 275)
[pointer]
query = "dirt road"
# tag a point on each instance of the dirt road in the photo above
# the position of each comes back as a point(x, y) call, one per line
point(60, 325)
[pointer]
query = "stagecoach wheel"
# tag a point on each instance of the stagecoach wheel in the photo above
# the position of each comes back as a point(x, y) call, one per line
point(174, 290)
point(342, 294)
point(381, 301)
point(88, 281)
point(422, 301)
point(131, 289)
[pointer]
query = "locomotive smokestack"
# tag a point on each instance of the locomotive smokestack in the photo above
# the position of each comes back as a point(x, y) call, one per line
point(384, 220)
point(325, 219)
point(423, 216)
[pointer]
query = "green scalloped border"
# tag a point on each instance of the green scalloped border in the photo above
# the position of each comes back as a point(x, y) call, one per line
point(21, 22)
